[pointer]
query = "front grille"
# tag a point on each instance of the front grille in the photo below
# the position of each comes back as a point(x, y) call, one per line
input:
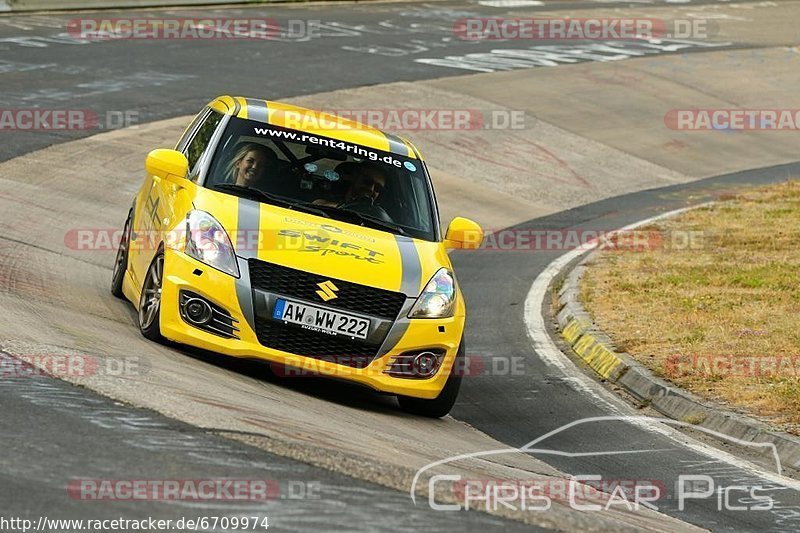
point(285, 281)
point(293, 339)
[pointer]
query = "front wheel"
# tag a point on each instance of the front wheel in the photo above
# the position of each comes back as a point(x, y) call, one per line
point(121, 261)
point(441, 405)
point(150, 301)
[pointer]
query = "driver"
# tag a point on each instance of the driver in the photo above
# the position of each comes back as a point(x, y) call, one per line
point(366, 183)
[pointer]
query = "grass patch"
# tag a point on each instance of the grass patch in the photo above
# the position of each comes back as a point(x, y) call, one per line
point(694, 418)
point(714, 305)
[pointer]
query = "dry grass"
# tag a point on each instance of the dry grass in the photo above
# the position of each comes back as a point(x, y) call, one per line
point(718, 318)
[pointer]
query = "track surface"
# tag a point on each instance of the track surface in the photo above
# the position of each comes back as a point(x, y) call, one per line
point(42, 69)
point(81, 435)
point(43, 66)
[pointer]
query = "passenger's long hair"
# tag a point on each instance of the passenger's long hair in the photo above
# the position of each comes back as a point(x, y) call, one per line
point(241, 153)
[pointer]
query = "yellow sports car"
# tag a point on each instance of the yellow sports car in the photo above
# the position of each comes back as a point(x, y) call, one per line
point(297, 237)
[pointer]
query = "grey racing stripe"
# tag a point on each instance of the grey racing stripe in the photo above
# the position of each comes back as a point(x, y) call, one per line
point(410, 286)
point(249, 224)
point(249, 221)
point(257, 110)
point(396, 144)
point(411, 266)
point(244, 293)
point(398, 329)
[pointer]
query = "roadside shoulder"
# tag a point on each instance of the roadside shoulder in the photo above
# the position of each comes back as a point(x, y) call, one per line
point(597, 350)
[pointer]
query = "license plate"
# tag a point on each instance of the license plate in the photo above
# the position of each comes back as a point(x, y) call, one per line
point(321, 320)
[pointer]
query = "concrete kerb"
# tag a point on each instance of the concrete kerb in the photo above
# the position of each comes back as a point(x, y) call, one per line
point(597, 350)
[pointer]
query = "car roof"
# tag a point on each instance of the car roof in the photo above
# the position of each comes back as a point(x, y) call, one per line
point(314, 122)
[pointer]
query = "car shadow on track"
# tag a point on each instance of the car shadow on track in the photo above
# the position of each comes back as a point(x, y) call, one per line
point(321, 387)
point(325, 388)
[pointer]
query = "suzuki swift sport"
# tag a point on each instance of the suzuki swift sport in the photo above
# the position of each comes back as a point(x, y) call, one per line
point(304, 239)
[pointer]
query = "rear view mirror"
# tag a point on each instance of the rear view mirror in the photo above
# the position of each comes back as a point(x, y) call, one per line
point(323, 152)
point(167, 164)
point(463, 233)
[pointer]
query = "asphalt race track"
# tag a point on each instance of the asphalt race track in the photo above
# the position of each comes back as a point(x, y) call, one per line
point(42, 65)
point(36, 465)
point(190, 415)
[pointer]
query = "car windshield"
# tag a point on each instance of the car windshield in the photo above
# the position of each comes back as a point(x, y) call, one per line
point(324, 176)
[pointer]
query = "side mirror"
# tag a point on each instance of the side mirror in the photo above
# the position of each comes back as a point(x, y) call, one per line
point(463, 233)
point(167, 164)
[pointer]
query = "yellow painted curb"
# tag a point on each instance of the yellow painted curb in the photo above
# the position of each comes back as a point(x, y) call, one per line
point(574, 330)
point(595, 353)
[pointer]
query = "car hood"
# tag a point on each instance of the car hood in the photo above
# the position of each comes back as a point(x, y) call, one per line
point(325, 246)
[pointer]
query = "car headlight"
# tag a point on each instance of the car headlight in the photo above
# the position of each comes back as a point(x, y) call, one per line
point(208, 242)
point(438, 299)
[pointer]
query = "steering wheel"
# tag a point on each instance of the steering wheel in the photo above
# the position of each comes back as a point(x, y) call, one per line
point(366, 205)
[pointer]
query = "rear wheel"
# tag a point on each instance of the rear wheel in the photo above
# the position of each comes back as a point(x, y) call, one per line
point(441, 405)
point(150, 301)
point(121, 261)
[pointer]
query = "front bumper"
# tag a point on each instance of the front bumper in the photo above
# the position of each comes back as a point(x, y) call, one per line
point(182, 272)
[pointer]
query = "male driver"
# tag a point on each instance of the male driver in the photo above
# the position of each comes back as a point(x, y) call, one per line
point(366, 183)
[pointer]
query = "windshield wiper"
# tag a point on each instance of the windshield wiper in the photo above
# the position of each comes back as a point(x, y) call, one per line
point(272, 198)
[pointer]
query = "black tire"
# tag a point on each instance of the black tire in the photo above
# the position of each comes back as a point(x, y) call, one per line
point(150, 300)
point(121, 260)
point(441, 405)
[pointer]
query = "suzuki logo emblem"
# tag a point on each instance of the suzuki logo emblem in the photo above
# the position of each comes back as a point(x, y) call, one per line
point(328, 290)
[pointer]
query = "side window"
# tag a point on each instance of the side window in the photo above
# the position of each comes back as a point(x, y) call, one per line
point(200, 140)
point(187, 134)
